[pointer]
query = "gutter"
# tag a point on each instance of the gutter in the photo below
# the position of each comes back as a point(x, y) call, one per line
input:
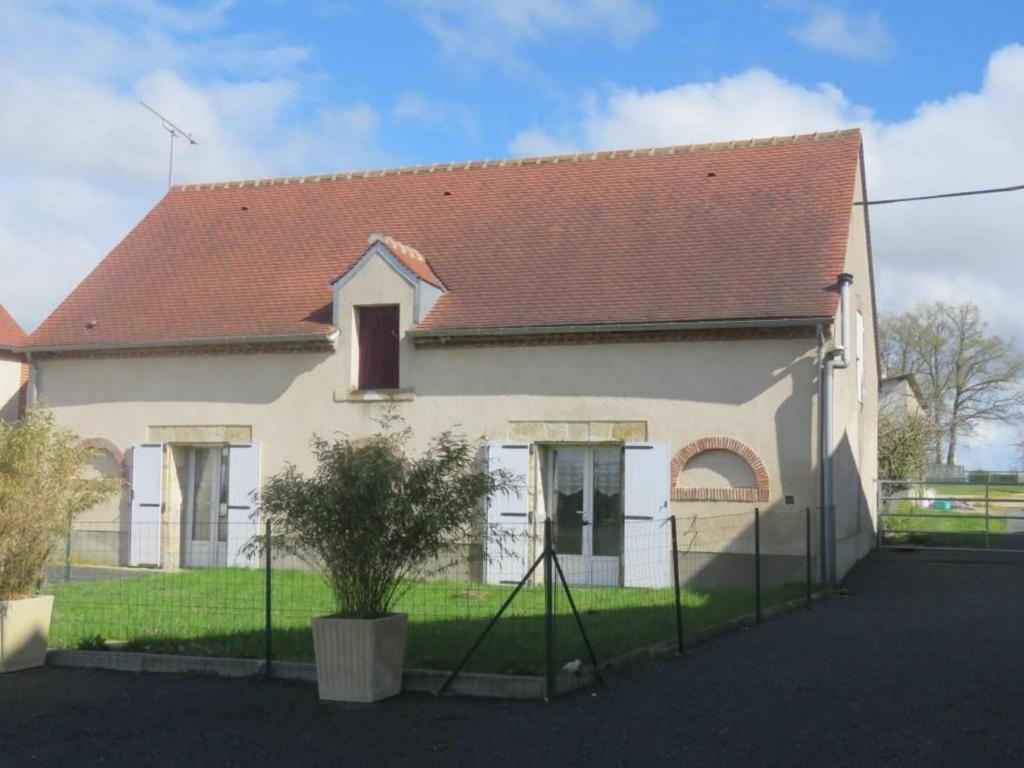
point(285, 338)
point(685, 325)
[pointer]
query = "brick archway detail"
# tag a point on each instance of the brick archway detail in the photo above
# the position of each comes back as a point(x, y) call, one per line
point(108, 447)
point(758, 493)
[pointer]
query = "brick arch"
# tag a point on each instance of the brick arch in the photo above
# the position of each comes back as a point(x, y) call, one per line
point(108, 447)
point(758, 493)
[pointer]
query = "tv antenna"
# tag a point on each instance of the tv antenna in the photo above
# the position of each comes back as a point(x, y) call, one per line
point(174, 132)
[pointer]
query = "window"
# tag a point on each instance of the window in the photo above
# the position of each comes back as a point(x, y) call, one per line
point(377, 328)
point(860, 358)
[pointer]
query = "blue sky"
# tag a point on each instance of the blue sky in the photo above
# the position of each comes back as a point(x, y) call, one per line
point(273, 87)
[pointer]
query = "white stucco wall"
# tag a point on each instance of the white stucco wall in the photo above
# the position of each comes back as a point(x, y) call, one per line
point(10, 383)
point(856, 423)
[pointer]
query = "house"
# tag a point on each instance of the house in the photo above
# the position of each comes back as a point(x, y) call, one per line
point(684, 330)
point(900, 395)
point(13, 373)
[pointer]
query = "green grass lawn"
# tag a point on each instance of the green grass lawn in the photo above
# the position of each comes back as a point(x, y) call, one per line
point(907, 523)
point(220, 612)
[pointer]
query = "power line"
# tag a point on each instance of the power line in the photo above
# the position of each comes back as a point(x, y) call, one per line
point(994, 190)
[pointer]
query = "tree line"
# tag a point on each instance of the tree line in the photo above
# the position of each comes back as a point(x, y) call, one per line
point(967, 376)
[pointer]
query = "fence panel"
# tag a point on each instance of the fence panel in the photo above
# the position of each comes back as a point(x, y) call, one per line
point(193, 603)
point(964, 514)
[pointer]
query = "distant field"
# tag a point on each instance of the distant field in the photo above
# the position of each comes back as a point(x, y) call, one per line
point(978, 491)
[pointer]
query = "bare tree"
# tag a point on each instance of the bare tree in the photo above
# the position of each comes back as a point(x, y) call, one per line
point(967, 375)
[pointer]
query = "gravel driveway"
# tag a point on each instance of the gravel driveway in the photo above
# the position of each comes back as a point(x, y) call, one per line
point(917, 666)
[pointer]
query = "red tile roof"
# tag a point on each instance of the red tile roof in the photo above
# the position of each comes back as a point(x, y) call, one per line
point(11, 334)
point(745, 230)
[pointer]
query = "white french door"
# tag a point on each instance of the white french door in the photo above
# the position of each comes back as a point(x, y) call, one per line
point(586, 503)
point(206, 507)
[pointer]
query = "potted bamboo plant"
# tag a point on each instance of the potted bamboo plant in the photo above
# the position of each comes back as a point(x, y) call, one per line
point(371, 520)
point(43, 486)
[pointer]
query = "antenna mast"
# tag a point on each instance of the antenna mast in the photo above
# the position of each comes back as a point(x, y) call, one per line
point(174, 132)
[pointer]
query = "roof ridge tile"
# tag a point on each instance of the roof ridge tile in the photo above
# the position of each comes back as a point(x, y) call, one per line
point(470, 165)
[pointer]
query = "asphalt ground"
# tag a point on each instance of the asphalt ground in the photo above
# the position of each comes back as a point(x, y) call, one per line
point(919, 664)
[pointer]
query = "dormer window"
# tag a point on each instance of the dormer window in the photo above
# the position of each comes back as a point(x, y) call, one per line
point(378, 333)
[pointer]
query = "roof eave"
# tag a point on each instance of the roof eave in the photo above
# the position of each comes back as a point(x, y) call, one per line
point(686, 325)
point(327, 338)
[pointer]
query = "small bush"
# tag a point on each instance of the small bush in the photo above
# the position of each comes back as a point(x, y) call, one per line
point(42, 489)
point(371, 518)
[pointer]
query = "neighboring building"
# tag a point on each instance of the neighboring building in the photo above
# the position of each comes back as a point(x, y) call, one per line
point(900, 395)
point(13, 372)
point(637, 333)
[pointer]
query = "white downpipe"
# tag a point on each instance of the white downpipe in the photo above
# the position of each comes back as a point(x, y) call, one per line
point(32, 386)
point(836, 358)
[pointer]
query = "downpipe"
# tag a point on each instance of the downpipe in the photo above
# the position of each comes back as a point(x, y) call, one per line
point(836, 358)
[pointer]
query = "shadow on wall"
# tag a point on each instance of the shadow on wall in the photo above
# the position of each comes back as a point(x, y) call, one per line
point(853, 501)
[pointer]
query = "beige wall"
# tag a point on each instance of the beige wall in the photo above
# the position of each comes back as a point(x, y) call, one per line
point(10, 383)
point(759, 392)
point(856, 424)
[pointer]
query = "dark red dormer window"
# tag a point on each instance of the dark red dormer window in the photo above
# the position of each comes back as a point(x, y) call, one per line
point(378, 347)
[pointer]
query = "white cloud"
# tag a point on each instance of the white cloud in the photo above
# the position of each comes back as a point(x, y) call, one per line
point(958, 249)
point(416, 107)
point(495, 29)
point(535, 141)
point(854, 37)
point(83, 161)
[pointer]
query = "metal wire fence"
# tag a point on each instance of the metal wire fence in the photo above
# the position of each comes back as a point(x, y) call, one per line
point(985, 512)
point(571, 613)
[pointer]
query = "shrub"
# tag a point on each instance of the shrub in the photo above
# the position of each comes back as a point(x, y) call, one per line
point(903, 442)
point(42, 489)
point(371, 518)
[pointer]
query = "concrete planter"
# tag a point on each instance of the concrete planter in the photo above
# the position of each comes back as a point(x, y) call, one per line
point(359, 660)
point(24, 631)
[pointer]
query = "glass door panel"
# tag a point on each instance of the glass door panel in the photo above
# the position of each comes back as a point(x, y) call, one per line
point(607, 528)
point(569, 486)
point(203, 483)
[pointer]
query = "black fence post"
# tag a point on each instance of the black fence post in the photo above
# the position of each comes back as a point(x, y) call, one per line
point(808, 558)
point(757, 563)
point(549, 616)
point(675, 579)
point(67, 554)
point(268, 624)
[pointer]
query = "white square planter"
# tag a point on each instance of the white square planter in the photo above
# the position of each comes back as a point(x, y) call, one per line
point(359, 660)
point(24, 632)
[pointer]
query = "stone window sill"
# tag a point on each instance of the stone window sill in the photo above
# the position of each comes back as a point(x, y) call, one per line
point(373, 395)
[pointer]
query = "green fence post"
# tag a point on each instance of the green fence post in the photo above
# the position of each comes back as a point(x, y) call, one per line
point(808, 558)
point(757, 564)
point(268, 624)
point(675, 579)
point(67, 554)
point(549, 616)
point(986, 514)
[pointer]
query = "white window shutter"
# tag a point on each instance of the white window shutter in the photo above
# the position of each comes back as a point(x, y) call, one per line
point(147, 496)
point(508, 516)
point(647, 544)
point(243, 501)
